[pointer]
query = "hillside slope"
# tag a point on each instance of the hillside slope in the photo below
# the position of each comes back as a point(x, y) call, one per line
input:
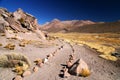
point(82, 26)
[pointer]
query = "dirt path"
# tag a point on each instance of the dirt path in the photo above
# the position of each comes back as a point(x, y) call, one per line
point(101, 69)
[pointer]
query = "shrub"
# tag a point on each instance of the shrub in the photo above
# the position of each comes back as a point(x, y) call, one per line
point(0, 44)
point(13, 59)
point(10, 46)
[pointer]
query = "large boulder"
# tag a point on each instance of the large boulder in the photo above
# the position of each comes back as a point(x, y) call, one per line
point(80, 68)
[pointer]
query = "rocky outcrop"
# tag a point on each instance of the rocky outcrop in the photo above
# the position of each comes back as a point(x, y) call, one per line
point(19, 21)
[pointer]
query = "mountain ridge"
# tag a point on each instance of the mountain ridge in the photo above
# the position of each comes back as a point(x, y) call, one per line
point(82, 26)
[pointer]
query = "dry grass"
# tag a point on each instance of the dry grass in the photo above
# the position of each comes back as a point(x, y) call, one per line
point(24, 42)
point(85, 73)
point(18, 62)
point(105, 43)
point(0, 44)
point(13, 59)
point(10, 46)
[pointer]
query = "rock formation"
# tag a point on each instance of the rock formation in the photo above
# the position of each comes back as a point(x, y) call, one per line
point(18, 21)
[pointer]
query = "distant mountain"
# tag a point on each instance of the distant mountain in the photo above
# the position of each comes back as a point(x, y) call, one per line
point(106, 27)
point(83, 26)
point(63, 26)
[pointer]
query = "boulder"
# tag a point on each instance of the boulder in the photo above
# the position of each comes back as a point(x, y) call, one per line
point(80, 68)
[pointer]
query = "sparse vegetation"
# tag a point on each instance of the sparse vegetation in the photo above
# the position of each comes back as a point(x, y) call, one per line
point(105, 43)
point(24, 42)
point(13, 60)
point(18, 62)
point(10, 46)
point(2, 34)
point(0, 44)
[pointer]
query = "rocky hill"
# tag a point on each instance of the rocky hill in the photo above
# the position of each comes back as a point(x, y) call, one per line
point(18, 22)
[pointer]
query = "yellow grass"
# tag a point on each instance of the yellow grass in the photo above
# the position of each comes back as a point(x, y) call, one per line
point(85, 72)
point(105, 43)
point(10, 46)
point(0, 44)
point(13, 59)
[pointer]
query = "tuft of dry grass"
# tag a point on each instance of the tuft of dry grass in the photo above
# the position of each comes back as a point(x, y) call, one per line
point(10, 46)
point(25, 42)
point(105, 43)
point(13, 59)
point(2, 34)
point(20, 69)
point(0, 44)
point(85, 73)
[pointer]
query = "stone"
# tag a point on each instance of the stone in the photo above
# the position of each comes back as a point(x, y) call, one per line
point(69, 64)
point(50, 55)
point(38, 61)
point(72, 57)
point(26, 73)
point(35, 69)
point(66, 74)
point(40, 64)
point(45, 60)
point(80, 68)
point(17, 78)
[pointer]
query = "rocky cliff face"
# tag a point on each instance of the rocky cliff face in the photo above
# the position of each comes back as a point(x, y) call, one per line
point(19, 21)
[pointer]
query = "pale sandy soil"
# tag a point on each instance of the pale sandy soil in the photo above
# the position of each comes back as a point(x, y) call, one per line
point(101, 69)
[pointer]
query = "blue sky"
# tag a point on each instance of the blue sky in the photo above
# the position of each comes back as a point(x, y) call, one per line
point(47, 10)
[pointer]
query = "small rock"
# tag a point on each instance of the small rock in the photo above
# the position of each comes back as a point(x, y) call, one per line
point(69, 64)
point(35, 69)
point(17, 78)
point(40, 64)
point(53, 54)
point(72, 57)
point(45, 60)
point(50, 55)
point(66, 74)
point(38, 61)
point(26, 73)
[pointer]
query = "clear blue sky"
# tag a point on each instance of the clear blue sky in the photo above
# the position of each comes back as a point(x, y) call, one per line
point(46, 10)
